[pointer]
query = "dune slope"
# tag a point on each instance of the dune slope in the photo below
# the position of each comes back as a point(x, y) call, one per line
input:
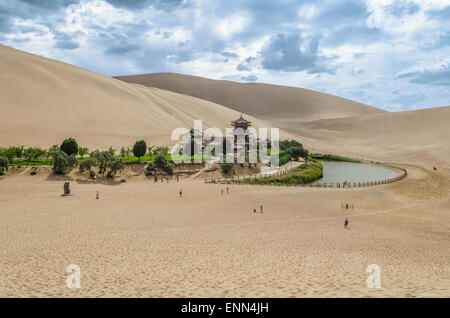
point(408, 136)
point(263, 101)
point(44, 101)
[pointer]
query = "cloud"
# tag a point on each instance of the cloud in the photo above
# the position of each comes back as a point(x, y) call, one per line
point(438, 76)
point(356, 71)
point(246, 65)
point(287, 42)
point(400, 8)
point(293, 53)
point(166, 5)
point(249, 78)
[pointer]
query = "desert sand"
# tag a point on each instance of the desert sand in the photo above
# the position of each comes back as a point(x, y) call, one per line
point(264, 101)
point(45, 101)
point(140, 239)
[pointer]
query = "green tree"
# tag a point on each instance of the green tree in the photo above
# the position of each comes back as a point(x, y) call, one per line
point(52, 151)
point(162, 162)
point(4, 162)
point(123, 152)
point(151, 150)
point(139, 149)
point(87, 165)
point(161, 150)
point(13, 152)
point(116, 164)
point(70, 146)
point(305, 154)
point(150, 168)
point(33, 153)
point(294, 152)
point(226, 167)
point(82, 151)
point(61, 162)
point(112, 151)
point(103, 158)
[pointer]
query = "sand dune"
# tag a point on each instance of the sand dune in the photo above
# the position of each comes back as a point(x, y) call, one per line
point(263, 101)
point(142, 240)
point(419, 136)
point(323, 122)
point(43, 101)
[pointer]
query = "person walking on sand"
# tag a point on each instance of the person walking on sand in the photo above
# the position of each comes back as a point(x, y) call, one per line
point(346, 223)
point(222, 191)
point(228, 190)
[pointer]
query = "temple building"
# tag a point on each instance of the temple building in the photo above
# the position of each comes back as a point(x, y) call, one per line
point(241, 122)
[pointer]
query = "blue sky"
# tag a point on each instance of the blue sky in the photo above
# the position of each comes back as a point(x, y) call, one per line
point(390, 54)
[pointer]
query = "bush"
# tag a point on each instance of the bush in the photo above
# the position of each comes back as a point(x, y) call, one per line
point(4, 163)
point(61, 161)
point(69, 146)
point(304, 173)
point(87, 165)
point(91, 174)
point(139, 149)
point(103, 158)
point(150, 168)
point(2, 171)
point(162, 162)
point(226, 167)
point(34, 153)
point(116, 164)
point(33, 171)
point(12, 152)
point(83, 151)
point(169, 168)
point(328, 157)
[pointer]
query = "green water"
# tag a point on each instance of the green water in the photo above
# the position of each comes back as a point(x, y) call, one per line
point(334, 172)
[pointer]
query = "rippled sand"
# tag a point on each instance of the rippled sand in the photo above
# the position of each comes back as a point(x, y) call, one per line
point(142, 240)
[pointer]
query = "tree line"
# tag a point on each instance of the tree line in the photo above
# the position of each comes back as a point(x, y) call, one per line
point(64, 157)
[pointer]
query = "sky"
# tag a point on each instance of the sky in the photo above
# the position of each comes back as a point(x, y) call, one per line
point(389, 54)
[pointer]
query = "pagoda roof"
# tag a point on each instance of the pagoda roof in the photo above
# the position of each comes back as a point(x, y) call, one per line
point(241, 120)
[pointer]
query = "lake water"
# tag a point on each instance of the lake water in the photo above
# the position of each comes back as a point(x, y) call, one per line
point(353, 172)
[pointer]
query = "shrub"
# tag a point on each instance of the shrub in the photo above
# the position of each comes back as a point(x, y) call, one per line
point(2, 171)
point(34, 153)
point(83, 151)
point(226, 167)
point(162, 162)
point(304, 173)
point(61, 161)
point(69, 146)
point(139, 149)
point(33, 171)
point(87, 165)
point(328, 157)
point(161, 150)
point(150, 168)
point(116, 164)
point(91, 174)
point(169, 168)
point(103, 158)
point(4, 163)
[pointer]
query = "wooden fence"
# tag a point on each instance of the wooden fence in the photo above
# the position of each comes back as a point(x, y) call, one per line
point(343, 185)
point(241, 179)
